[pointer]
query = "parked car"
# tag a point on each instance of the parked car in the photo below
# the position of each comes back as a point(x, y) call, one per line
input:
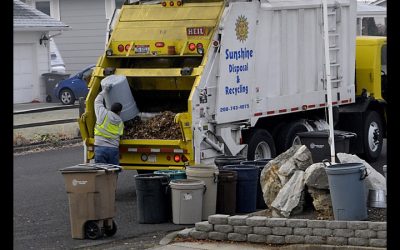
point(73, 88)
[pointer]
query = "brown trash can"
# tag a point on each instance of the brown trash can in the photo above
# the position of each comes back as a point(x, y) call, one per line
point(91, 193)
point(226, 192)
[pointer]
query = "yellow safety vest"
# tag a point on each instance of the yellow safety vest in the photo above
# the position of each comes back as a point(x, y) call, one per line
point(108, 129)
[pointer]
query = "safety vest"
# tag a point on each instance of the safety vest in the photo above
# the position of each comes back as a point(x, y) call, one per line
point(108, 129)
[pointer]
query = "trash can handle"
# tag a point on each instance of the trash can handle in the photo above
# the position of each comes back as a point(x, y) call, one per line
point(215, 178)
point(364, 173)
point(325, 161)
point(205, 189)
point(165, 183)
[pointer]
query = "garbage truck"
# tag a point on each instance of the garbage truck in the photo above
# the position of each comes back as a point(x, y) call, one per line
point(242, 78)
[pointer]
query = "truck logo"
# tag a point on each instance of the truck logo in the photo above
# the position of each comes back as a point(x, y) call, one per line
point(196, 31)
point(242, 28)
point(312, 146)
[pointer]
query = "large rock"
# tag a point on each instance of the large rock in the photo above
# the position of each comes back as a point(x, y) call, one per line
point(322, 201)
point(374, 180)
point(279, 170)
point(316, 177)
point(289, 196)
point(299, 158)
point(270, 183)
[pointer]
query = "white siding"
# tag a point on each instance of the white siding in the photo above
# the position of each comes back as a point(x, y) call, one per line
point(85, 42)
point(37, 56)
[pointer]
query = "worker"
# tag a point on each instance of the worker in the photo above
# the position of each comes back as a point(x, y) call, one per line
point(107, 131)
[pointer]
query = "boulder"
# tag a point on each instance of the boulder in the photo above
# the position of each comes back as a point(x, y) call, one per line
point(374, 180)
point(316, 177)
point(290, 194)
point(270, 183)
point(298, 158)
point(280, 169)
point(322, 201)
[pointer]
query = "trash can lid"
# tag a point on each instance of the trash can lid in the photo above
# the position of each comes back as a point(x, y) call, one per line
point(189, 184)
point(90, 167)
point(325, 133)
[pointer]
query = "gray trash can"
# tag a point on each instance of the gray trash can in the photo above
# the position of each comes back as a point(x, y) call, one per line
point(187, 200)
point(347, 188)
point(51, 79)
point(208, 174)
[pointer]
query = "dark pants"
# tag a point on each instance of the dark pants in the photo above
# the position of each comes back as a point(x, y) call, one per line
point(108, 155)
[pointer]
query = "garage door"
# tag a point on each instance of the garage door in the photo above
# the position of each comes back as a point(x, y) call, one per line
point(23, 73)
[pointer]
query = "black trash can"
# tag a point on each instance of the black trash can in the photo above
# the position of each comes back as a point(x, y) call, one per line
point(224, 160)
point(51, 79)
point(153, 198)
point(260, 164)
point(226, 192)
point(246, 187)
point(317, 143)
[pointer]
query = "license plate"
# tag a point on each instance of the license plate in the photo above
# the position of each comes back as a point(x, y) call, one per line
point(141, 49)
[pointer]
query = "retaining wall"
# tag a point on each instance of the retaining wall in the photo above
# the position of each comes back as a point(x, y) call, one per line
point(260, 229)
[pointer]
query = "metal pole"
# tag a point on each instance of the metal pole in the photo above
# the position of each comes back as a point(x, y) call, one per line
point(331, 139)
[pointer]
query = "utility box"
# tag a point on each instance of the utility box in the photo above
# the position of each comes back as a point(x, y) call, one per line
point(91, 193)
point(317, 143)
point(51, 79)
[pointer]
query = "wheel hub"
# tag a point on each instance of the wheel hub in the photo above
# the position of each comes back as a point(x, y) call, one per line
point(262, 151)
point(373, 136)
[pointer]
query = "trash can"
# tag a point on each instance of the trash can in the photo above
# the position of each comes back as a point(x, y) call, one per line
point(317, 143)
point(173, 174)
point(260, 164)
point(226, 192)
point(208, 174)
point(224, 160)
point(91, 193)
point(187, 200)
point(51, 79)
point(246, 187)
point(153, 202)
point(347, 188)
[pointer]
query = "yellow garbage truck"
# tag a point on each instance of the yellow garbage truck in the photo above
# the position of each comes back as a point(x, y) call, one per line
point(242, 78)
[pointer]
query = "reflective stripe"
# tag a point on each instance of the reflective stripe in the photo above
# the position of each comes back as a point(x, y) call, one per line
point(108, 129)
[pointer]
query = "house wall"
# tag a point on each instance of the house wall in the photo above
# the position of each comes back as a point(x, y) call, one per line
point(85, 42)
point(40, 64)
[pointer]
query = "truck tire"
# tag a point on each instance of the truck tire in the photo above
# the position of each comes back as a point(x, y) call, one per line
point(287, 136)
point(261, 145)
point(373, 138)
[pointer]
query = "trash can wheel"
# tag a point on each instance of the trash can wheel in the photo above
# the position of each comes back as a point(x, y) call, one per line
point(93, 230)
point(110, 231)
point(48, 98)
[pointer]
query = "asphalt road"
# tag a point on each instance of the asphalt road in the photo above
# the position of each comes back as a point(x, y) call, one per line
point(41, 215)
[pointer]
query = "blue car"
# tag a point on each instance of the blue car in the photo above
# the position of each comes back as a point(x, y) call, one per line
point(73, 88)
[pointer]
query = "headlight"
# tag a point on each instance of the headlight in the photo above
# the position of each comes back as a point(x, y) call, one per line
point(56, 86)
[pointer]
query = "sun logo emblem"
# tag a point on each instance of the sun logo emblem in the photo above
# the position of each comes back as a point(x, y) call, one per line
point(242, 28)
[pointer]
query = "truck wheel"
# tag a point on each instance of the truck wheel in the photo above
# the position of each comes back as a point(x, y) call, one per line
point(67, 97)
point(287, 136)
point(93, 230)
point(111, 231)
point(373, 138)
point(261, 145)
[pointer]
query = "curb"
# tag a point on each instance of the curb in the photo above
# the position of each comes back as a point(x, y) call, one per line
point(19, 149)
